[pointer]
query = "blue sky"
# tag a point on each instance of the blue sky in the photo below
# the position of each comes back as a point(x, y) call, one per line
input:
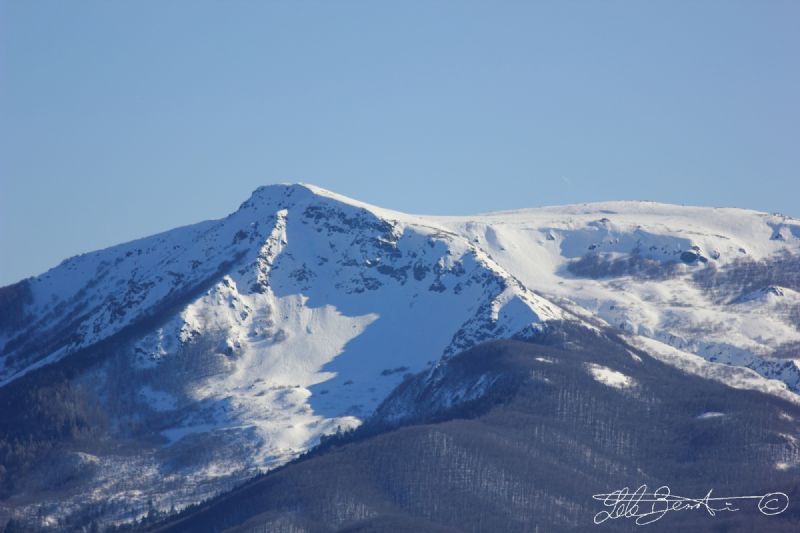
point(121, 119)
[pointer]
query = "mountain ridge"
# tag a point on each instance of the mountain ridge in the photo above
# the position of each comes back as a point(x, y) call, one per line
point(254, 335)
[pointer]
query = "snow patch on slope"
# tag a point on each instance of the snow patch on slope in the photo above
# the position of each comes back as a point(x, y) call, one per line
point(610, 377)
point(733, 376)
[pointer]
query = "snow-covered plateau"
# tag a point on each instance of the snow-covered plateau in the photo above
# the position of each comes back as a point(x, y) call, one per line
point(218, 350)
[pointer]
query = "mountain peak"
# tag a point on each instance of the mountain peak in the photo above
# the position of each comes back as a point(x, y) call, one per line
point(288, 195)
point(282, 194)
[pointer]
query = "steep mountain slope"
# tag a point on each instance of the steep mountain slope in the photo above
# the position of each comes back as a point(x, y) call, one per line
point(159, 372)
point(513, 436)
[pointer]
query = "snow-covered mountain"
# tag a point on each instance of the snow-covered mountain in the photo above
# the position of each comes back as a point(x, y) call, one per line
point(211, 352)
